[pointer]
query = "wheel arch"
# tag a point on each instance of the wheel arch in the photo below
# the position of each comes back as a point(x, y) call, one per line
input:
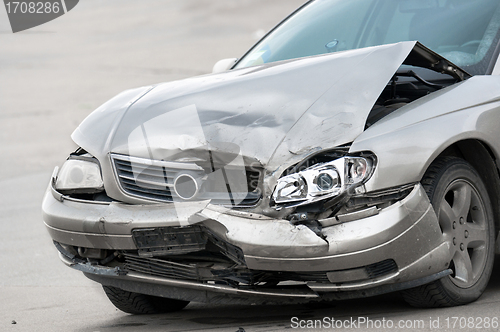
point(481, 157)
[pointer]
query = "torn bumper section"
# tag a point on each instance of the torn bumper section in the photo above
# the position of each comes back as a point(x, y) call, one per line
point(197, 251)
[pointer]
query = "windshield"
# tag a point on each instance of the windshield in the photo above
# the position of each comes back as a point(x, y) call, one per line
point(463, 31)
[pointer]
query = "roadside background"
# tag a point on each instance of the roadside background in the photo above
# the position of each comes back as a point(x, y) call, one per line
point(51, 78)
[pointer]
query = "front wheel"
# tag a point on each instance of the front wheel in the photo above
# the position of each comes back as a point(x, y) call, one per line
point(465, 215)
point(137, 304)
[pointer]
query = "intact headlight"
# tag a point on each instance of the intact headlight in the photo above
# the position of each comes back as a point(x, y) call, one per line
point(79, 176)
point(323, 181)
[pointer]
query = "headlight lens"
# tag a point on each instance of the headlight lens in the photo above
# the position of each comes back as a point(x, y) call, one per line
point(79, 176)
point(323, 181)
point(358, 168)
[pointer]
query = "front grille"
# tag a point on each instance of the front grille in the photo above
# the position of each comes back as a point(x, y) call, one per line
point(154, 180)
point(381, 268)
point(147, 179)
point(304, 276)
point(168, 269)
point(160, 268)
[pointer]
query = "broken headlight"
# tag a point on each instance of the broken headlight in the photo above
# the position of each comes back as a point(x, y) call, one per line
point(82, 176)
point(323, 181)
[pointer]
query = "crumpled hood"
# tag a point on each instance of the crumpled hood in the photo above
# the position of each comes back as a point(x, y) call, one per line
point(275, 114)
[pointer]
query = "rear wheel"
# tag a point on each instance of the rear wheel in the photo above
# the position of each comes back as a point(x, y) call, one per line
point(465, 215)
point(135, 303)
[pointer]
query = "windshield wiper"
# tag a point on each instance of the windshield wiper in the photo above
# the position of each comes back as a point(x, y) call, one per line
point(411, 73)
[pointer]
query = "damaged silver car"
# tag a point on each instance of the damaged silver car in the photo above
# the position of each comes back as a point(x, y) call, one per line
point(338, 158)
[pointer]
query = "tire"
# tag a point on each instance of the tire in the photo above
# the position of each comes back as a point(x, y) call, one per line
point(465, 215)
point(140, 304)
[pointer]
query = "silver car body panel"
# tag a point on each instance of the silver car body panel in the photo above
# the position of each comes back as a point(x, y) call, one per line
point(409, 139)
point(276, 114)
point(496, 68)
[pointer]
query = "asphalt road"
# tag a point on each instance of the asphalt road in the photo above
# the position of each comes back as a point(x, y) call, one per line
point(51, 78)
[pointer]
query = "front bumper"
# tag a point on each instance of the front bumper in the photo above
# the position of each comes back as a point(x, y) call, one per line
point(406, 232)
point(217, 293)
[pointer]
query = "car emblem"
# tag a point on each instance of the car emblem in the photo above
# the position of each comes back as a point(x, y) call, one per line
point(185, 186)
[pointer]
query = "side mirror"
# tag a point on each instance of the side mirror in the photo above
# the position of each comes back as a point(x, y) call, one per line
point(223, 65)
